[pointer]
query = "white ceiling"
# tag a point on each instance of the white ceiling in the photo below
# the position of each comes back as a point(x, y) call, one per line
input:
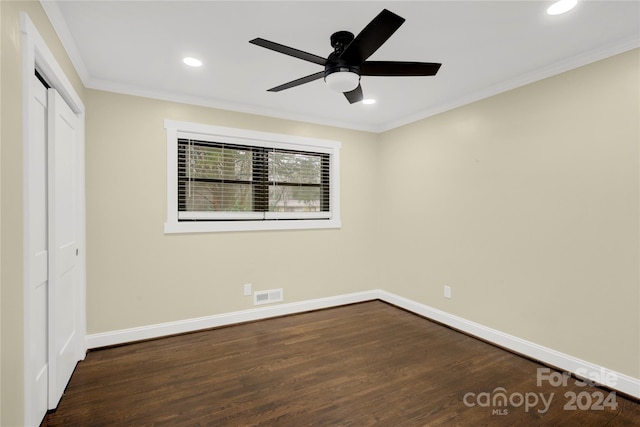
point(486, 47)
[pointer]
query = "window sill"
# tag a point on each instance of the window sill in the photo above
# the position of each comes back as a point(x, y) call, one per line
point(226, 226)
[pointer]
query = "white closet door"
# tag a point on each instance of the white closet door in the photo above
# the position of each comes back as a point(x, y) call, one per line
point(65, 336)
point(37, 247)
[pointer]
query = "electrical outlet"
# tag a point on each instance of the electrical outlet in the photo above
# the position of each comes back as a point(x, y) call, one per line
point(447, 292)
point(247, 289)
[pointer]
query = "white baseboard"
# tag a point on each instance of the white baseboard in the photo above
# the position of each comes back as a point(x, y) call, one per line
point(123, 336)
point(581, 368)
point(607, 377)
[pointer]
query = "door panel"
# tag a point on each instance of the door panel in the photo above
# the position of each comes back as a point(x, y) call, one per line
point(37, 257)
point(40, 357)
point(65, 346)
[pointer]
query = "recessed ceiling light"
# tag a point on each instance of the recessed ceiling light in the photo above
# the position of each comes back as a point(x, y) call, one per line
point(192, 62)
point(368, 101)
point(561, 6)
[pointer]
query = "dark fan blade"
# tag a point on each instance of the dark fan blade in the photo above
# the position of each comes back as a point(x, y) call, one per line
point(355, 95)
point(394, 68)
point(372, 37)
point(289, 51)
point(298, 82)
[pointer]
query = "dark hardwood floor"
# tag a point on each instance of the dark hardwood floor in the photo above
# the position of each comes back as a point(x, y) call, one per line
point(358, 365)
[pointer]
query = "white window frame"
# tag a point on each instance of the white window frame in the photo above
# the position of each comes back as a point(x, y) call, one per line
point(178, 129)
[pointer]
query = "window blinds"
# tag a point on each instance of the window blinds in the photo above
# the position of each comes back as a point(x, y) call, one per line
point(221, 181)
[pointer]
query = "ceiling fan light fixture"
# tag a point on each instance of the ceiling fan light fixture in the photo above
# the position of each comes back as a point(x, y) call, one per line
point(342, 80)
point(561, 6)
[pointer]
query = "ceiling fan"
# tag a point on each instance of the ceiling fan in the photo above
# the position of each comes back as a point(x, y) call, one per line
point(348, 61)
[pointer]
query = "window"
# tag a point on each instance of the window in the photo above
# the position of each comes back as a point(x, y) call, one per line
point(219, 181)
point(225, 179)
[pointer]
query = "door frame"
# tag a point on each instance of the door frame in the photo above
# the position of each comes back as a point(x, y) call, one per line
point(37, 55)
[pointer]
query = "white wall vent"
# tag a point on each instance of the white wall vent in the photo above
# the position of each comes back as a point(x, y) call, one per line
point(266, 297)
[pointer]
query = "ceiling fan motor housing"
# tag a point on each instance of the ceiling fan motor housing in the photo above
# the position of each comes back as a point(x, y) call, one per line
point(339, 66)
point(340, 40)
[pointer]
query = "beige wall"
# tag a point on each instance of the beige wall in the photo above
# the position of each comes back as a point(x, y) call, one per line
point(139, 276)
point(527, 205)
point(11, 294)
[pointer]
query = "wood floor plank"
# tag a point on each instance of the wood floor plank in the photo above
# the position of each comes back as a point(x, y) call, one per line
point(357, 365)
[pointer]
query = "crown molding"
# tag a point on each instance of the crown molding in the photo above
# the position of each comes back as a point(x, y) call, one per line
point(59, 24)
point(125, 89)
point(551, 70)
